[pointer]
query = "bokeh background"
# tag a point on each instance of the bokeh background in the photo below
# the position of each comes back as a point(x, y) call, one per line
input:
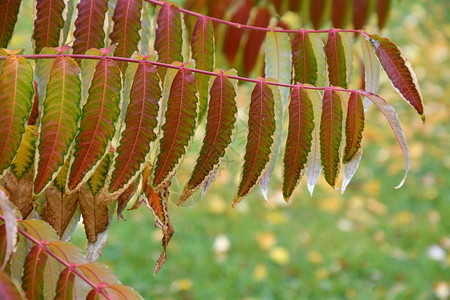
point(374, 242)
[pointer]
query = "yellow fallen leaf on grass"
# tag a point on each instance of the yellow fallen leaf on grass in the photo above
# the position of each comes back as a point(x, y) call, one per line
point(266, 240)
point(260, 272)
point(183, 284)
point(280, 256)
point(403, 217)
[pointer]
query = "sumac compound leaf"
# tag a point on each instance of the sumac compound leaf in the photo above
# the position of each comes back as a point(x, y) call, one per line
point(9, 9)
point(354, 126)
point(220, 123)
point(298, 143)
point(33, 273)
point(203, 53)
point(391, 116)
point(383, 8)
point(330, 134)
point(89, 31)
point(8, 290)
point(98, 122)
point(179, 127)
point(399, 71)
point(261, 128)
point(304, 59)
point(48, 23)
point(65, 284)
point(334, 51)
point(168, 40)
point(233, 35)
point(16, 100)
point(255, 39)
point(140, 123)
point(360, 13)
point(60, 116)
point(127, 23)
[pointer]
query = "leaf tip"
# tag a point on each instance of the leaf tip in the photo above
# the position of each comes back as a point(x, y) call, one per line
point(422, 116)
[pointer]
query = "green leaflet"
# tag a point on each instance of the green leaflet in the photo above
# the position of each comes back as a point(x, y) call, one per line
point(47, 26)
point(140, 122)
point(68, 20)
point(314, 167)
point(298, 143)
point(168, 39)
point(203, 53)
point(60, 115)
point(147, 32)
point(221, 119)
point(16, 100)
point(334, 51)
point(42, 73)
point(179, 127)
point(354, 127)
point(330, 134)
point(87, 72)
point(347, 38)
point(260, 139)
point(127, 23)
point(97, 181)
point(317, 44)
point(98, 123)
point(304, 59)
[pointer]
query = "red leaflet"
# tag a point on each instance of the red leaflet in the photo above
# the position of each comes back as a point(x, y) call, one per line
point(298, 143)
point(303, 59)
point(33, 273)
point(140, 122)
point(330, 134)
point(233, 35)
point(127, 23)
point(8, 289)
point(354, 126)
point(317, 8)
point(9, 10)
point(383, 8)
point(178, 130)
point(89, 31)
point(219, 127)
point(261, 128)
point(399, 71)
point(168, 40)
point(338, 13)
point(360, 13)
point(34, 114)
point(294, 5)
point(65, 284)
point(97, 126)
point(203, 53)
point(334, 51)
point(255, 39)
point(48, 23)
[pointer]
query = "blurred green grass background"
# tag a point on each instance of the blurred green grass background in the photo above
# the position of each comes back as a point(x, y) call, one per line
point(374, 242)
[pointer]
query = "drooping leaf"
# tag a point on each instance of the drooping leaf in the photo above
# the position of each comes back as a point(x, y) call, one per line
point(347, 43)
point(391, 116)
point(24, 159)
point(330, 134)
point(179, 126)
point(222, 113)
point(338, 13)
point(360, 13)
point(42, 73)
point(70, 7)
point(127, 23)
point(261, 128)
point(98, 180)
point(350, 170)
point(124, 198)
point(140, 123)
point(59, 208)
point(34, 114)
point(61, 112)
point(147, 32)
point(334, 51)
point(319, 52)
point(399, 71)
point(16, 100)
point(383, 9)
point(354, 126)
point(89, 31)
point(298, 143)
point(33, 273)
point(317, 8)
point(65, 285)
point(233, 35)
point(304, 59)
point(98, 122)
point(9, 220)
point(95, 212)
point(168, 39)
point(9, 9)
point(278, 60)
point(371, 69)
point(314, 167)
point(8, 290)
point(48, 23)
point(255, 39)
point(94, 249)
point(203, 53)
point(20, 191)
